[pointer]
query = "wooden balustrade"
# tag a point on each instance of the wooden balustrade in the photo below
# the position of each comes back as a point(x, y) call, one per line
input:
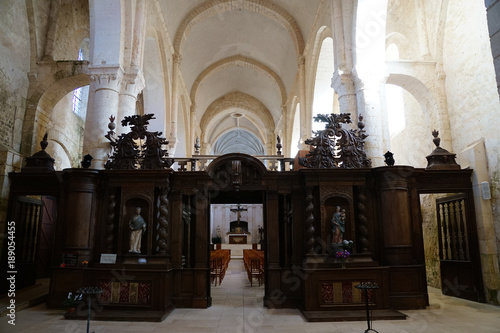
point(219, 260)
point(254, 265)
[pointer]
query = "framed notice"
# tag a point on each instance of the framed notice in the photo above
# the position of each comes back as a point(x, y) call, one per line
point(69, 259)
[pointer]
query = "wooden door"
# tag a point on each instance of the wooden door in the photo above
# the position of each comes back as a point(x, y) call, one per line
point(46, 236)
point(461, 274)
point(27, 212)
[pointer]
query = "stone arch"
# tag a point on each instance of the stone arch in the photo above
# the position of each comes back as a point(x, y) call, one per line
point(243, 129)
point(236, 61)
point(61, 145)
point(423, 95)
point(214, 7)
point(249, 114)
point(322, 34)
point(258, 114)
point(404, 46)
point(58, 80)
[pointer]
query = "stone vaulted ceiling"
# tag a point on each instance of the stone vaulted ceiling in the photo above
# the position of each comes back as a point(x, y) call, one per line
point(239, 56)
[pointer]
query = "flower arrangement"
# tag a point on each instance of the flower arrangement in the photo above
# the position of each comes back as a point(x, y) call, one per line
point(345, 252)
point(347, 245)
point(72, 300)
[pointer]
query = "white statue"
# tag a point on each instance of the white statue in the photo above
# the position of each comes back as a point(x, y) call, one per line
point(137, 227)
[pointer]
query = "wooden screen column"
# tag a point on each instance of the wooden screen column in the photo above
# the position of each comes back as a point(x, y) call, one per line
point(176, 228)
point(80, 188)
point(201, 254)
point(395, 214)
point(273, 295)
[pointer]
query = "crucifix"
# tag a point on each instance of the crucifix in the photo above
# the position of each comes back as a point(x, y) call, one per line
point(238, 211)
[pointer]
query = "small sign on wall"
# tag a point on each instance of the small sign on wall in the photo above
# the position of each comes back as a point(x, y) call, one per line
point(69, 259)
point(108, 258)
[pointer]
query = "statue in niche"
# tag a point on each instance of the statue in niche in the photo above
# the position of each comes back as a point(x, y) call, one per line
point(137, 227)
point(338, 225)
point(261, 234)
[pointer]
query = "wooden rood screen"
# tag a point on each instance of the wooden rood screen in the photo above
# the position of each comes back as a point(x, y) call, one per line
point(458, 249)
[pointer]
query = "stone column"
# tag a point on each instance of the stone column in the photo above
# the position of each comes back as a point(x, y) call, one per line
point(369, 106)
point(51, 31)
point(104, 91)
point(139, 35)
point(177, 58)
point(131, 85)
point(343, 85)
point(369, 71)
point(305, 122)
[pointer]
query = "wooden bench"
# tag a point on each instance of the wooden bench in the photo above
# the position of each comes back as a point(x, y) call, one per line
point(219, 260)
point(254, 265)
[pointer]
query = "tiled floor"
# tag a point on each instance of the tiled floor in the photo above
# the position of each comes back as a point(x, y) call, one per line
point(237, 308)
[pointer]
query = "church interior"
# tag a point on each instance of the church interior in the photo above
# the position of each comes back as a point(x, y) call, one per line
point(343, 153)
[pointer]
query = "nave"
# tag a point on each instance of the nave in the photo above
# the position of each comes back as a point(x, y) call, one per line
point(237, 308)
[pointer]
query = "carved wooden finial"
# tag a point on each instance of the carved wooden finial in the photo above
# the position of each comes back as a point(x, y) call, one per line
point(440, 158)
point(436, 139)
point(44, 143)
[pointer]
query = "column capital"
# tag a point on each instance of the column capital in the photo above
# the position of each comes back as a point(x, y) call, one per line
point(132, 83)
point(106, 77)
point(342, 82)
point(365, 78)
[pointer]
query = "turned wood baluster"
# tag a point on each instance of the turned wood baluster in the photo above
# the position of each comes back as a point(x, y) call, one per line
point(162, 237)
point(362, 222)
point(110, 225)
point(310, 222)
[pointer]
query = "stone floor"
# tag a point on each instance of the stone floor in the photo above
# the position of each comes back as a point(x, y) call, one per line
point(237, 308)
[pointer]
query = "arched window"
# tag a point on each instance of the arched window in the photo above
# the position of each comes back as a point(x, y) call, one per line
point(323, 92)
point(81, 95)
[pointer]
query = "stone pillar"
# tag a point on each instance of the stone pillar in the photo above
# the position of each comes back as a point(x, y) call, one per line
point(177, 58)
point(104, 91)
point(131, 85)
point(51, 31)
point(369, 106)
point(369, 71)
point(343, 85)
point(305, 122)
point(139, 35)
point(190, 150)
